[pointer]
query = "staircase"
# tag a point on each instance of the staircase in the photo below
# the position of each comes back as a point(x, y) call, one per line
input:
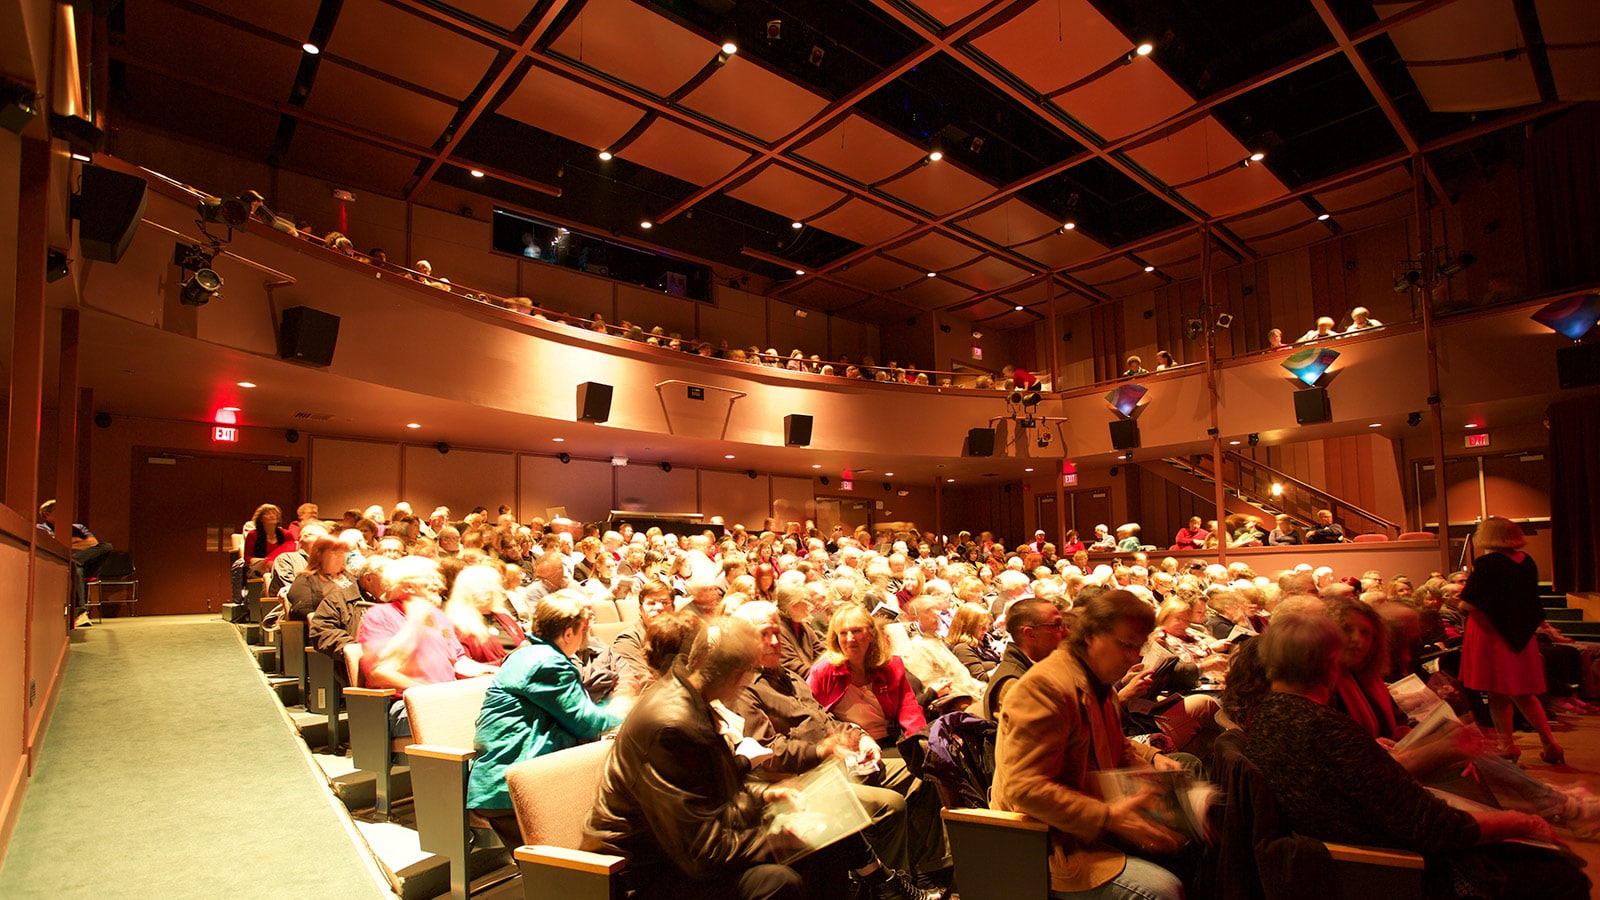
point(1568, 620)
point(1272, 491)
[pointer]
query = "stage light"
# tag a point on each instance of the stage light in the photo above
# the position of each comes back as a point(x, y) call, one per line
point(1044, 439)
point(730, 48)
point(201, 288)
point(1414, 419)
point(1015, 398)
point(1572, 317)
point(1144, 49)
point(1225, 320)
point(1031, 399)
point(233, 212)
point(935, 156)
point(1125, 398)
point(1407, 281)
point(1453, 267)
point(1254, 438)
point(1309, 364)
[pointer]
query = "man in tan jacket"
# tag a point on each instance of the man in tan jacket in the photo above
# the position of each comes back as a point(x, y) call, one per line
point(1060, 724)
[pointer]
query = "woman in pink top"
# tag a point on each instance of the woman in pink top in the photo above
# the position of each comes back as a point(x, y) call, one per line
point(860, 682)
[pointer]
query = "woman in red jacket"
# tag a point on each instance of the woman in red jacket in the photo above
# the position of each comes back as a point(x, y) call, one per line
point(860, 682)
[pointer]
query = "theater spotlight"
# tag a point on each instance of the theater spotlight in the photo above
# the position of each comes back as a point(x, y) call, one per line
point(1031, 398)
point(202, 287)
point(1407, 281)
point(1125, 398)
point(1044, 439)
point(1453, 267)
point(1571, 318)
point(1255, 438)
point(1309, 364)
point(1196, 328)
point(1414, 419)
point(1225, 320)
point(233, 212)
point(1014, 398)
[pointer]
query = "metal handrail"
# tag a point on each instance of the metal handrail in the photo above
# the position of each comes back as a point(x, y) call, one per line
point(1318, 498)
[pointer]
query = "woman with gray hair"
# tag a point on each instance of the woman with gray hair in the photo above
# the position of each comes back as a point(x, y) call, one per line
point(1335, 783)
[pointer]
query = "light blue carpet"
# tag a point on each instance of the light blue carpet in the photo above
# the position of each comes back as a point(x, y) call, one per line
point(167, 771)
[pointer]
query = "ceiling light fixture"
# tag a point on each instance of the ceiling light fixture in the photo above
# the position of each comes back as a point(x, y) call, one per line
point(413, 424)
point(647, 224)
point(933, 274)
point(1028, 469)
point(1376, 425)
point(888, 474)
point(727, 456)
point(816, 465)
point(730, 48)
point(949, 481)
point(1018, 308)
point(605, 155)
point(1323, 217)
point(935, 156)
point(797, 224)
point(1257, 156)
point(311, 48)
point(1149, 269)
point(1067, 226)
point(245, 384)
point(1145, 49)
point(476, 173)
point(799, 271)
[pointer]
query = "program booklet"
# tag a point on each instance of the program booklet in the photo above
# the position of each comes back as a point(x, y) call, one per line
point(826, 810)
point(1179, 803)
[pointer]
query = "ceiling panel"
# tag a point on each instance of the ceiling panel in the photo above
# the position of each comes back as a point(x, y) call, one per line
point(934, 251)
point(993, 311)
point(824, 295)
point(349, 163)
point(1289, 215)
point(861, 150)
point(1182, 248)
point(636, 46)
point(876, 273)
point(784, 191)
point(1061, 250)
point(950, 11)
point(1577, 73)
point(1010, 223)
point(864, 222)
point(199, 114)
point(1035, 293)
point(290, 18)
point(683, 153)
point(1396, 206)
point(1456, 30)
point(1126, 100)
point(990, 274)
point(1192, 152)
point(550, 102)
point(1309, 233)
point(1054, 43)
point(346, 95)
point(753, 100)
point(1477, 86)
point(256, 66)
point(381, 37)
point(1481, 35)
point(939, 188)
point(507, 14)
point(1116, 268)
point(1235, 189)
point(930, 293)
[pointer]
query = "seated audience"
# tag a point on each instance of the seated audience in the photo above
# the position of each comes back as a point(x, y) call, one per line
point(483, 620)
point(1191, 536)
point(1323, 331)
point(1361, 320)
point(859, 681)
point(1285, 533)
point(628, 648)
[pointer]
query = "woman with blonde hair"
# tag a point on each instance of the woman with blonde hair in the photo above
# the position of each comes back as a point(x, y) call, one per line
point(483, 620)
point(968, 639)
point(1498, 653)
point(861, 682)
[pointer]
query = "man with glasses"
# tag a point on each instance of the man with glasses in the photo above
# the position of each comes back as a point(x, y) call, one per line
point(1036, 628)
point(627, 649)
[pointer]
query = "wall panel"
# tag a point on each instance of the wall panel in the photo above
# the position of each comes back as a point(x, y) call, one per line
point(347, 474)
point(645, 488)
point(792, 501)
point(737, 498)
point(460, 479)
point(582, 486)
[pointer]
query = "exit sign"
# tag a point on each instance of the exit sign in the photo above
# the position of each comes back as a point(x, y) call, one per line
point(1069, 479)
point(847, 485)
point(224, 434)
point(1478, 440)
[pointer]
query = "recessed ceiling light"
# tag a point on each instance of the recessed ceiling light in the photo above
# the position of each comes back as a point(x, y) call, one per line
point(730, 48)
point(799, 271)
point(888, 474)
point(1145, 48)
point(1257, 156)
point(311, 48)
point(1149, 268)
point(559, 440)
point(949, 481)
point(1472, 424)
point(797, 224)
point(935, 156)
point(1376, 425)
point(231, 408)
point(933, 274)
point(1233, 443)
point(1019, 309)
point(413, 425)
point(1029, 469)
point(816, 465)
point(1323, 218)
point(245, 384)
point(605, 155)
point(476, 173)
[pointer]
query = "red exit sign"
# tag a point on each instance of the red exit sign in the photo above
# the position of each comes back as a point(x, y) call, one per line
point(224, 434)
point(1478, 440)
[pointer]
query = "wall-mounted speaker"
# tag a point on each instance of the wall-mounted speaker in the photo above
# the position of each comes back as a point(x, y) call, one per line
point(1125, 434)
point(797, 430)
point(980, 442)
point(1311, 406)
point(108, 208)
point(1578, 365)
point(292, 436)
point(594, 402)
point(308, 335)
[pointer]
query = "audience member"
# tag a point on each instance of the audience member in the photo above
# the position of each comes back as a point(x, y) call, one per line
point(1325, 531)
point(1361, 320)
point(1323, 331)
point(88, 557)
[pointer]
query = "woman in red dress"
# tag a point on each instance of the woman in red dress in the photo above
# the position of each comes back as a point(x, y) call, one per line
point(1498, 654)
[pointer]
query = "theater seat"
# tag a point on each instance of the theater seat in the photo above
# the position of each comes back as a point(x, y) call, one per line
point(372, 747)
point(1417, 536)
point(443, 725)
point(1373, 538)
point(552, 795)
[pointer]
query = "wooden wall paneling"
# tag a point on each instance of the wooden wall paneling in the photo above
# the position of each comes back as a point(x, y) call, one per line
point(647, 308)
point(459, 247)
point(644, 487)
point(352, 474)
point(565, 290)
point(460, 479)
point(737, 498)
point(583, 486)
point(1108, 345)
point(740, 319)
point(1517, 486)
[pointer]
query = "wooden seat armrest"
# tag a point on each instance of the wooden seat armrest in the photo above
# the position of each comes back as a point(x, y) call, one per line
point(564, 858)
point(370, 692)
point(1374, 856)
point(994, 817)
point(434, 751)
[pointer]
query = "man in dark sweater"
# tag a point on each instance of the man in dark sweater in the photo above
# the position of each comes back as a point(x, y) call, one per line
point(1036, 628)
point(1325, 532)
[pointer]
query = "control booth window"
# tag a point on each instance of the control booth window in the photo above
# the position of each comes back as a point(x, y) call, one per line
point(531, 238)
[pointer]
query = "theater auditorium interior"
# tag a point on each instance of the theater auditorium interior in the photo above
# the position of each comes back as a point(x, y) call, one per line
point(934, 269)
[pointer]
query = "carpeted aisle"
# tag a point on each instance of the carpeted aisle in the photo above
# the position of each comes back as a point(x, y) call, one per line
point(168, 772)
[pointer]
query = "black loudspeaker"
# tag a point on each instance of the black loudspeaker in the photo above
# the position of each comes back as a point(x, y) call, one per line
point(308, 335)
point(594, 402)
point(1311, 406)
point(980, 442)
point(797, 430)
point(108, 207)
point(1578, 365)
point(1125, 434)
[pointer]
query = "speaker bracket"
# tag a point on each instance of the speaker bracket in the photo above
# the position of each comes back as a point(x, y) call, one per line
point(732, 396)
